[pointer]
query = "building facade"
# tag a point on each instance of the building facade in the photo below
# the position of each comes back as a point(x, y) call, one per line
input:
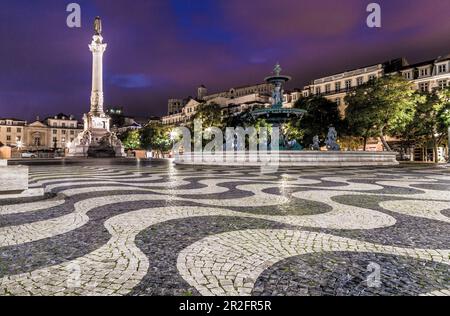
point(64, 129)
point(425, 76)
point(336, 87)
point(12, 131)
point(235, 100)
point(53, 133)
point(429, 75)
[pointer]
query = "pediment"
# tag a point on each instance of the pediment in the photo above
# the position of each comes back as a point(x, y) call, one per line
point(37, 124)
point(192, 102)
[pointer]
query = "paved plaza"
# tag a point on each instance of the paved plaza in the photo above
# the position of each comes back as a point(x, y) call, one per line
point(114, 228)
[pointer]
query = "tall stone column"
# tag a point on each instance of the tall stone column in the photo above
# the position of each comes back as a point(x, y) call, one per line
point(96, 140)
point(97, 48)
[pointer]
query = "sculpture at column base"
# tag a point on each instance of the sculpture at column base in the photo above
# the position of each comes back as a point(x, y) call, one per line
point(96, 143)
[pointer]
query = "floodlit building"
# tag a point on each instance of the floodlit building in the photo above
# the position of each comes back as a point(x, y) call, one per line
point(53, 133)
point(336, 87)
point(426, 77)
point(232, 101)
point(12, 131)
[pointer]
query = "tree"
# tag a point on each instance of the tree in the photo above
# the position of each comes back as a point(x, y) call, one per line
point(431, 120)
point(321, 114)
point(381, 107)
point(131, 140)
point(156, 136)
point(210, 114)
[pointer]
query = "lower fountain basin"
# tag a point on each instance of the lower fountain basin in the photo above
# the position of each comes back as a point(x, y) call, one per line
point(292, 159)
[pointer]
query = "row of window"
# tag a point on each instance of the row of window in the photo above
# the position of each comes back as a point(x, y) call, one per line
point(13, 123)
point(425, 86)
point(64, 125)
point(18, 130)
point(250, 91)
point(425, 72)
point(338, 85)
point(55, 139)
point(63, 140)
point(18, 138)
point(64, 132)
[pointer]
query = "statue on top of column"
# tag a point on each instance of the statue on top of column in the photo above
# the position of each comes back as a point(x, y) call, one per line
point(98, 26)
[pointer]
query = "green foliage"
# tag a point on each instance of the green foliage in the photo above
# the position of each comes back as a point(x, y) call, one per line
point(245, 119)
point(443, 110)
point(131, 140)
point(385, 106)
point(293, 132)
point(321, 114)
point(156, 136)
point(431, 120)
point(210, 114)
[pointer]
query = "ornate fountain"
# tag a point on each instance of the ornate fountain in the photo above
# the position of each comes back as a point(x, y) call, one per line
point(289, 153)
point(276, 114)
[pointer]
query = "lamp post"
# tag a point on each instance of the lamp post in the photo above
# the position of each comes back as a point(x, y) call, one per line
point(448, 145)
point(19, 145)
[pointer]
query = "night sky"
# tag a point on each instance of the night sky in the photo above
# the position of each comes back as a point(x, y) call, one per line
point(160, 49)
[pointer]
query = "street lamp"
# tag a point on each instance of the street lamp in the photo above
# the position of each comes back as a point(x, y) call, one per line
point(447, 112)
point(173, 135)
point(19, 145)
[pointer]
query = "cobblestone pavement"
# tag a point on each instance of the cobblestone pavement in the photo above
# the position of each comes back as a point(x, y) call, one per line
point(113, 228)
